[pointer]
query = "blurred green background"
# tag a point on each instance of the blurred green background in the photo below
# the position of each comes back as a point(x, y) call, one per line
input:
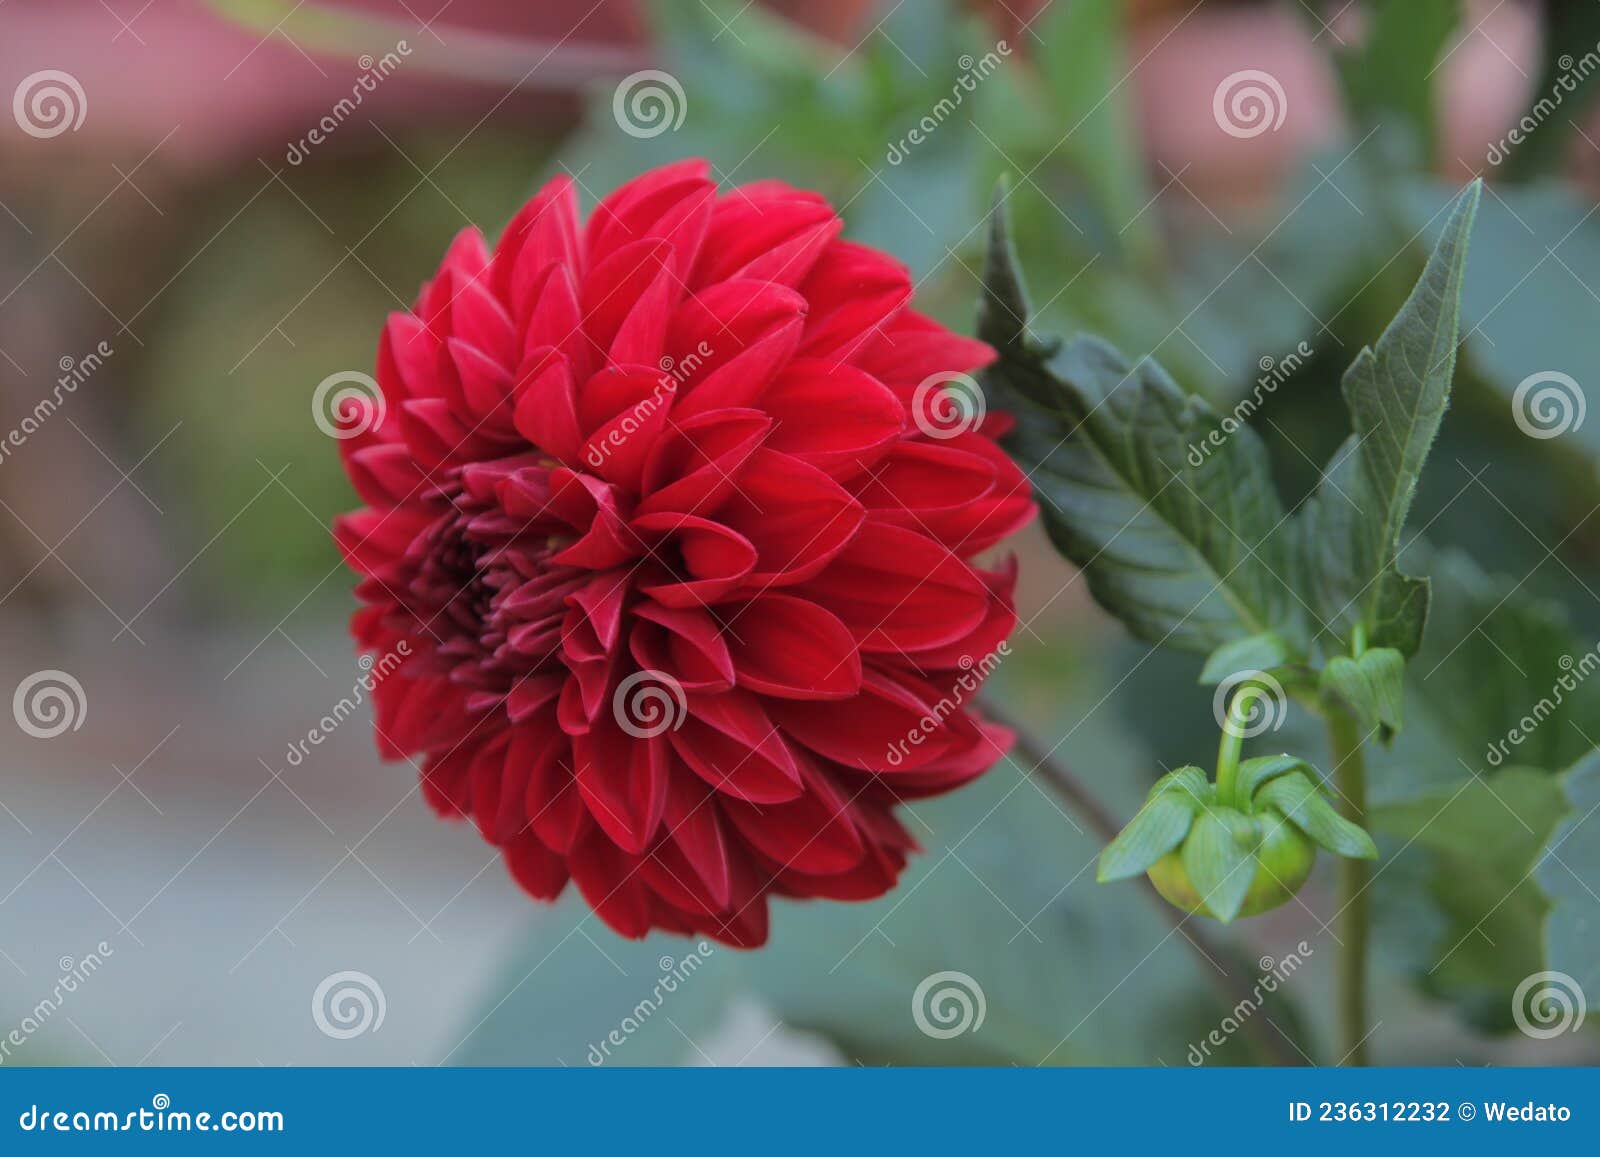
point(164, 531)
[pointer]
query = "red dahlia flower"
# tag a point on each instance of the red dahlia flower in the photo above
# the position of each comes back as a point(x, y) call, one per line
point(664, 521)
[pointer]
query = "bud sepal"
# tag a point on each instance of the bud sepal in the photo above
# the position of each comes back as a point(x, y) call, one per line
point(1238, 847)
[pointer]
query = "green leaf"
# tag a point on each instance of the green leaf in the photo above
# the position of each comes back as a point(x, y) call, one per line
point(1567, 869)
point(1177, 536)
point(1220, 864)
point(1502, 698)
point(1256, 653)
point(1190, 781)
point(1390, 81)
point(1524, 314)
point(1372, 687)
point(1501, 679)
point(1465, 909)
point(1397, 393)
point(1155, 830)
point(1262, 769)
point(1303, 804)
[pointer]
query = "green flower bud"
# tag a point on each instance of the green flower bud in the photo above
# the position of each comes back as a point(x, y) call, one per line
point(1281, 859)
point(1238, 847)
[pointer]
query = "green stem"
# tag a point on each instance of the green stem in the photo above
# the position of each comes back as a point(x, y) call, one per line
point(1351, 777)
point(1232, 744)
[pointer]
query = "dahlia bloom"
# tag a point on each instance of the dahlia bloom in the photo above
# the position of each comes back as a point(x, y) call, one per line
point(663, 510)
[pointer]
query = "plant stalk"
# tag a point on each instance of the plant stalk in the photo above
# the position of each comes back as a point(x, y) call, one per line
point(1215, 961)
point(1350, 775)
point(1232, 745)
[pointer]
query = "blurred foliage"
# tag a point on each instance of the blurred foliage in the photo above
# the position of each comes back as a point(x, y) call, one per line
point(1389, 79)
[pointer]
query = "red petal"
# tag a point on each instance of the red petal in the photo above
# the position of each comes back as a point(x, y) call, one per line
point(695, 826)
point(728, 741)
point(729, 340)
point(384, 474)
point(765, 231)
point(546, 412)
point(981, 649)
point(913, 347)
point(673, 203)
point(557, 323)
point(627, 301)
point(408, 360)
point(623, 780)
point(437, 437)
point(811, 834)
point(835, 417)
point(716, 558)
point(688, 644)
point(543, 233)
point(373, 541)
point(582, 501)
point(854, 292)
point(552, 802)
point(608, 879)
point(530, 694)
point(885, 728)
point(900, 591)
point(496, 795)
point(485, 384)
point(697, 461)
point(624, 408)
point(916, 481)
point(446, 783)
point(1007, 507)
point(793, 649)
point(480, 321)
point(797, 517)
point(541, 872)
